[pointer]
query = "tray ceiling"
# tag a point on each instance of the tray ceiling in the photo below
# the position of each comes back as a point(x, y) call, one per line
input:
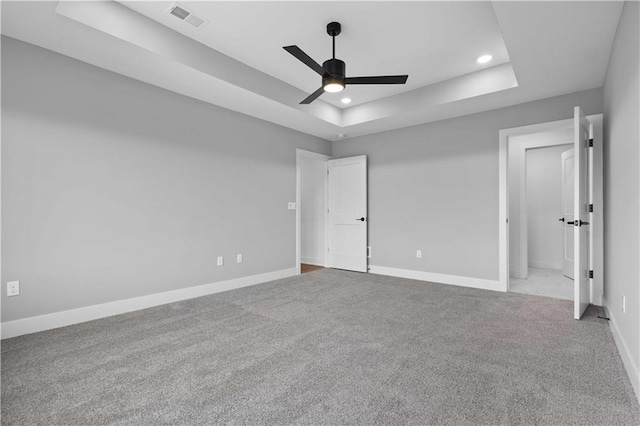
point(236, 60)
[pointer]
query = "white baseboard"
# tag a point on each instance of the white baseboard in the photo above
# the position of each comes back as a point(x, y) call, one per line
point(629, 364)
point(480, 283)
point(75, 316)
point(545, 264)
point(318, 261)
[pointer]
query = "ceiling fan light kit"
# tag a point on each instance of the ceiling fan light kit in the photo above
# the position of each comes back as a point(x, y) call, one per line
point(332, 85)
point(333, 71)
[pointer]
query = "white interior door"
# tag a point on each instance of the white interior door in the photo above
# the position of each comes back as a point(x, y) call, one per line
point(567, 219)
point(582, 283)
point(348, 213)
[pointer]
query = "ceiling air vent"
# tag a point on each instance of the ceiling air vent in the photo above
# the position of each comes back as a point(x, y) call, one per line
point(186, 16)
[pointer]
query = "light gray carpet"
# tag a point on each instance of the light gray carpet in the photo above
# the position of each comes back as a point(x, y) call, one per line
point(328, 347)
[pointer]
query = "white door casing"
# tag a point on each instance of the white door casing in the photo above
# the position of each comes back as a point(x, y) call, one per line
point(347, 248)
point(568, 198)
point(581, 281)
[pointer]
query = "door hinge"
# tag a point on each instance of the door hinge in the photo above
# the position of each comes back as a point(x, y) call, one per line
point(591, 143)
point(590, 274)
point(590, 208)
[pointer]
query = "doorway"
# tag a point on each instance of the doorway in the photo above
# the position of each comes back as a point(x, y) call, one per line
point(588, 230)
point(541, 244)
point(311, 208)
point(331, 212)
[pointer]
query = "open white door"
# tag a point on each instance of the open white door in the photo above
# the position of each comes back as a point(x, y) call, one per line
point(582, 283)
point(348, 213)
point(567, 219)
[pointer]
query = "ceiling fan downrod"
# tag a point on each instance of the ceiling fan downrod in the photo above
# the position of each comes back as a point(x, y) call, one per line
point(334, 29)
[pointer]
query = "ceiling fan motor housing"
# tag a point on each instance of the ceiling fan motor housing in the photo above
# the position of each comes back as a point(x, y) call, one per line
point(335, 69)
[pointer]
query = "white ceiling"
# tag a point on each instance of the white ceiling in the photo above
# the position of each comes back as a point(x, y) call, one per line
point(236, 60)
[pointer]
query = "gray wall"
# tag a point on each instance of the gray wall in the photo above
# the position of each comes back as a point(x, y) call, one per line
point(113, 189)
point(434, 187)
point(621, 182)
point(544, 207)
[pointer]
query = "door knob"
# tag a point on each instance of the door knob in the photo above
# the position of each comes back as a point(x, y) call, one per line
point(580, 223)
point(571, 222)
point(561, 219)
point(362, 219)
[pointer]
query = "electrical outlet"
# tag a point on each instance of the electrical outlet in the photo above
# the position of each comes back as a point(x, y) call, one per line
point(13, 288)
point(220, 260)
point(239, 258)
point(419, 254)
point(624, 304)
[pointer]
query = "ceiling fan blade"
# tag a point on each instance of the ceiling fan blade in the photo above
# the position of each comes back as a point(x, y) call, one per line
point(305, 59)
point(312, 97)
point(380, 79)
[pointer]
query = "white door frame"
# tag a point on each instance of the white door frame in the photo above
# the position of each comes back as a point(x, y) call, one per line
point(596, 197)
point(309, 154)
point(522, 264)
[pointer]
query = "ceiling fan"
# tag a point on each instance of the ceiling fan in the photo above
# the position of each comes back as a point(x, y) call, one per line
point(333, 71)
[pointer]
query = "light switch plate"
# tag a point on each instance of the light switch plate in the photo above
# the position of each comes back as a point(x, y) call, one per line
point(292, 205)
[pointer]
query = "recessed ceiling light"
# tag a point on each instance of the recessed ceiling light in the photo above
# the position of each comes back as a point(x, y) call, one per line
point(484, 59)
point(345, 100)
